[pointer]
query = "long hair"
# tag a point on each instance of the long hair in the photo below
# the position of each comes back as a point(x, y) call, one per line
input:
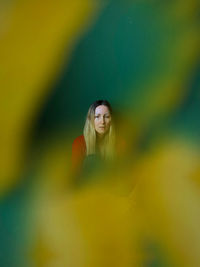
point(107, 150)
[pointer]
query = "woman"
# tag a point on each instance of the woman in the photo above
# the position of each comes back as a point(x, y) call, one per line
point(98, 137)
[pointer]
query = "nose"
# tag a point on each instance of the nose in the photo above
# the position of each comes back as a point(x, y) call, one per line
point(102, 120)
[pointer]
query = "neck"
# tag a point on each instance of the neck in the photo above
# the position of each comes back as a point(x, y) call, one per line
point(99, 138)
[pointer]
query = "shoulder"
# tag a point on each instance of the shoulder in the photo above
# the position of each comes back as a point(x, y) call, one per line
point(79, 143)
point(79, 140)
point(78, 151)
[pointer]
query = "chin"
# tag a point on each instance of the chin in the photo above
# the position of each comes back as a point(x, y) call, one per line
point(101, 133)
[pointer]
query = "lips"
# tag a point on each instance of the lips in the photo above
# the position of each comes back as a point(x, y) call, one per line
point(102, 129)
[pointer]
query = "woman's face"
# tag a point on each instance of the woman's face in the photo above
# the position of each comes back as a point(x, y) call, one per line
point(102, 120)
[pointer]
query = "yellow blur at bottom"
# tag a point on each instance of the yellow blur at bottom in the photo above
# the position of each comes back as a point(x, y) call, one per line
point(139, 214)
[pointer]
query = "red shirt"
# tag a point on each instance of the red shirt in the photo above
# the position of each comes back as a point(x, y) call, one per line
point(78, 152)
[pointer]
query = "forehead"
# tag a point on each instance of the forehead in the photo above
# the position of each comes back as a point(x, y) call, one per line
point(102, 110)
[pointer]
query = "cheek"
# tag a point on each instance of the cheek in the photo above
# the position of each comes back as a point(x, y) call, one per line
point(95, 123)
point(108, 123)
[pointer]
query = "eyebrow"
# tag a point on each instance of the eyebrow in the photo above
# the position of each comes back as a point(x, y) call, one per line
point(101, 114)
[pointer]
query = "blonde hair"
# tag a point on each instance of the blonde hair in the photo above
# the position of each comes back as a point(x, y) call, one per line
point(107, 150)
